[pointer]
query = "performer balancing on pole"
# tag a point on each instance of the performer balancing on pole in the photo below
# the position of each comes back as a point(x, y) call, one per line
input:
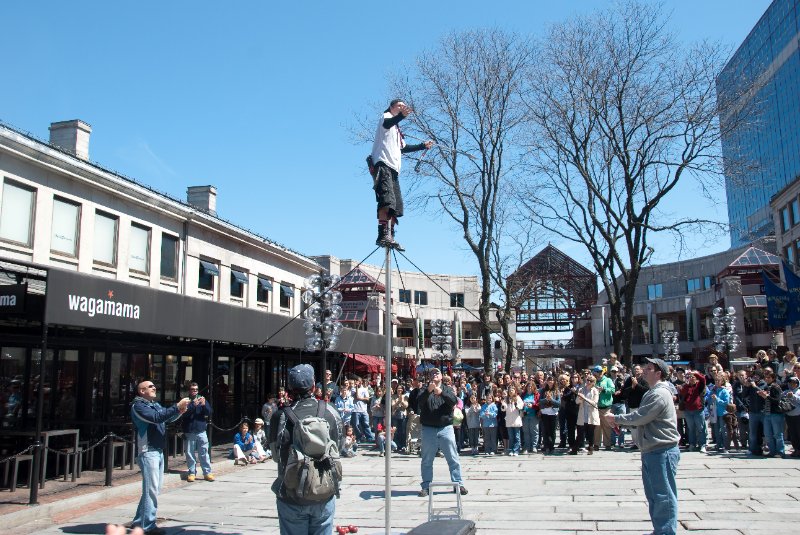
point(384, 165)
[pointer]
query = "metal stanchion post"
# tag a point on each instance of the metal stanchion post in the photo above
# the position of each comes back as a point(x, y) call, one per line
point(109, 458)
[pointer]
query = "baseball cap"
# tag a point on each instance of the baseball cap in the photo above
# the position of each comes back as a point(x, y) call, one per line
point(597, 369)
point(259, 421)
point(301, 377)
point(661, 365)
point(614, 369)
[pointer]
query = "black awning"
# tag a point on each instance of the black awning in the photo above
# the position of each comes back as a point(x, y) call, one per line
point(287, 291)
point(239, 276)
point(209, 268)
point(265, 283)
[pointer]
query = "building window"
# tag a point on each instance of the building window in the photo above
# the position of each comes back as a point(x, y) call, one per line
point(420, 298)
point(654, 291)
point(457, 300)
point(785, 222)
point(105, 238)
point(66, 222)
point(139, 249)
point(709, 281)
point(263, 289)
point(169, 257)
point(16, 213)
point(208, 270)
point(287, 292)
point(405, 296)
point(795, 212)
point(693, 285)
point(238, 282)
point(789, 254)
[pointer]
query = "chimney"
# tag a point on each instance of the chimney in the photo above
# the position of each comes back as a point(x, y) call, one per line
point(203, 197)
point(72, 136)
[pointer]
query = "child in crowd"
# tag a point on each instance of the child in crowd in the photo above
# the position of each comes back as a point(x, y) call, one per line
point(731, 425)
point(512, 406)
point(473, 421)
point(489, 425)
point(260, 436)
point(350, 443)
point(380, 439)
point(244, 447)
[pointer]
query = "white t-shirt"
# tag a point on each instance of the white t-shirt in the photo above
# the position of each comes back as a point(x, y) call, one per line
point(361, 406)
point(387, 145)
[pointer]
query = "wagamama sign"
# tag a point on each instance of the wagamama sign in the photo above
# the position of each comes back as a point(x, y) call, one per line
point(103, 306)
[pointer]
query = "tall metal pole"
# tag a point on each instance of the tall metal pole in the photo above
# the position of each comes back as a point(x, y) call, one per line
point(387, 407)
point(38, 453)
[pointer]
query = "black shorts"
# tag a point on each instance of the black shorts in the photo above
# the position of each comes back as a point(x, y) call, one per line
point(387, 190)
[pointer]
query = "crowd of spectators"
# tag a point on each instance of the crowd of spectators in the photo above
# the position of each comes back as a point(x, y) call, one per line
point(750, 409)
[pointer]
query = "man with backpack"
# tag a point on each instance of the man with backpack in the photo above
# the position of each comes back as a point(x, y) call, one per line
point(305, 439)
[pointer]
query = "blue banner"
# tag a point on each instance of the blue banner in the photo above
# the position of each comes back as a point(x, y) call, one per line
point(778, 304)
point(793, 287)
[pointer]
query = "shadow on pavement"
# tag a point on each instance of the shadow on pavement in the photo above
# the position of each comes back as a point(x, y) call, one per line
point(94, 529)
point(370, 494)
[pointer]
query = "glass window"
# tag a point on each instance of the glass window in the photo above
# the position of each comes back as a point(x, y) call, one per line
point(169, 257)
point(405, 296)
point(286, 293)
point(66, 222)
point(785, 222)
point(139, 247)
point(693, 285)
point(457, 300)
point(16, 213)
point(709, 281)
point(263, 289)
point(420, 298)
point(795, 212)
point(208, 270)
point(105, 238)
point(654, 291)
point(789, 253)
point(238, 281)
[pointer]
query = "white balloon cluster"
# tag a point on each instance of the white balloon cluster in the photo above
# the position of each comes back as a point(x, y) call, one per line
point(670, 341)
point(322, 299)
point(724, 322)
point(441, 338)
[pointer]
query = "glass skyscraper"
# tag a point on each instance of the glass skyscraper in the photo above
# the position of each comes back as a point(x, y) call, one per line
point(762, 154)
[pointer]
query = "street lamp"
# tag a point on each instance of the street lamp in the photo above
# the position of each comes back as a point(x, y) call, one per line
point(725, 336)
point(322, 326)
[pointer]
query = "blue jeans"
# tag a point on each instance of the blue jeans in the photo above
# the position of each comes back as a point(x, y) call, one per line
point(152, 465)
point(314, 519)
point(433, 440)
point(695, 428)
point(514, 439)
point(755, 432)
point(773, 432)
point(197, 442)
point(618, 438)
point(530, 432)
point(721, 433)
point(361, 427)
point(658, 476)
point(380, 442)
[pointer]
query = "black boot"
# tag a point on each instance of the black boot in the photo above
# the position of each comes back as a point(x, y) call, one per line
point(396, 244)
point(384, 238)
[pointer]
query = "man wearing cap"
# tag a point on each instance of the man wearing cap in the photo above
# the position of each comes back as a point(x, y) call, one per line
point(297, 516)
point(435, 405)
point(606, 387)
point(655, 429)
point(194, 422)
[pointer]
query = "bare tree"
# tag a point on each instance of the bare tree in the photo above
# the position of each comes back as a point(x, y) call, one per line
point(466, 97)
point(620, 112)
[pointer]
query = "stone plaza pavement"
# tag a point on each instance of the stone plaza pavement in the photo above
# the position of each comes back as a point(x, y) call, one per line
point(719, 495)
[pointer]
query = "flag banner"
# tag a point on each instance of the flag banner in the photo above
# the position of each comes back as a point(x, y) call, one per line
point(793, 288)
point(777, 303)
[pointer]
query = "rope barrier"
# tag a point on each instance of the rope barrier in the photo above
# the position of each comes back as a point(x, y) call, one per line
point(23, 452)
point(229, 429)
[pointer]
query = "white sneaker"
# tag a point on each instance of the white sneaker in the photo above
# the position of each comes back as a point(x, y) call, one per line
point(702, 449)
point(534, 450)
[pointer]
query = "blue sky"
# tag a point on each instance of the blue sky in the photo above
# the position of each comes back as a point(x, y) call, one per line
point(257, 98)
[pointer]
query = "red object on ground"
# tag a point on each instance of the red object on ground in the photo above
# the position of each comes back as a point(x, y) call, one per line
point(353, 529)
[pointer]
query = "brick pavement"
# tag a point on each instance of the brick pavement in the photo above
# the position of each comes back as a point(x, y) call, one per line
point(533, 494)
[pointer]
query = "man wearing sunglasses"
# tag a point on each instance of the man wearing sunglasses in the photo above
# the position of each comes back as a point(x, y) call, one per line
point(149, 420)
